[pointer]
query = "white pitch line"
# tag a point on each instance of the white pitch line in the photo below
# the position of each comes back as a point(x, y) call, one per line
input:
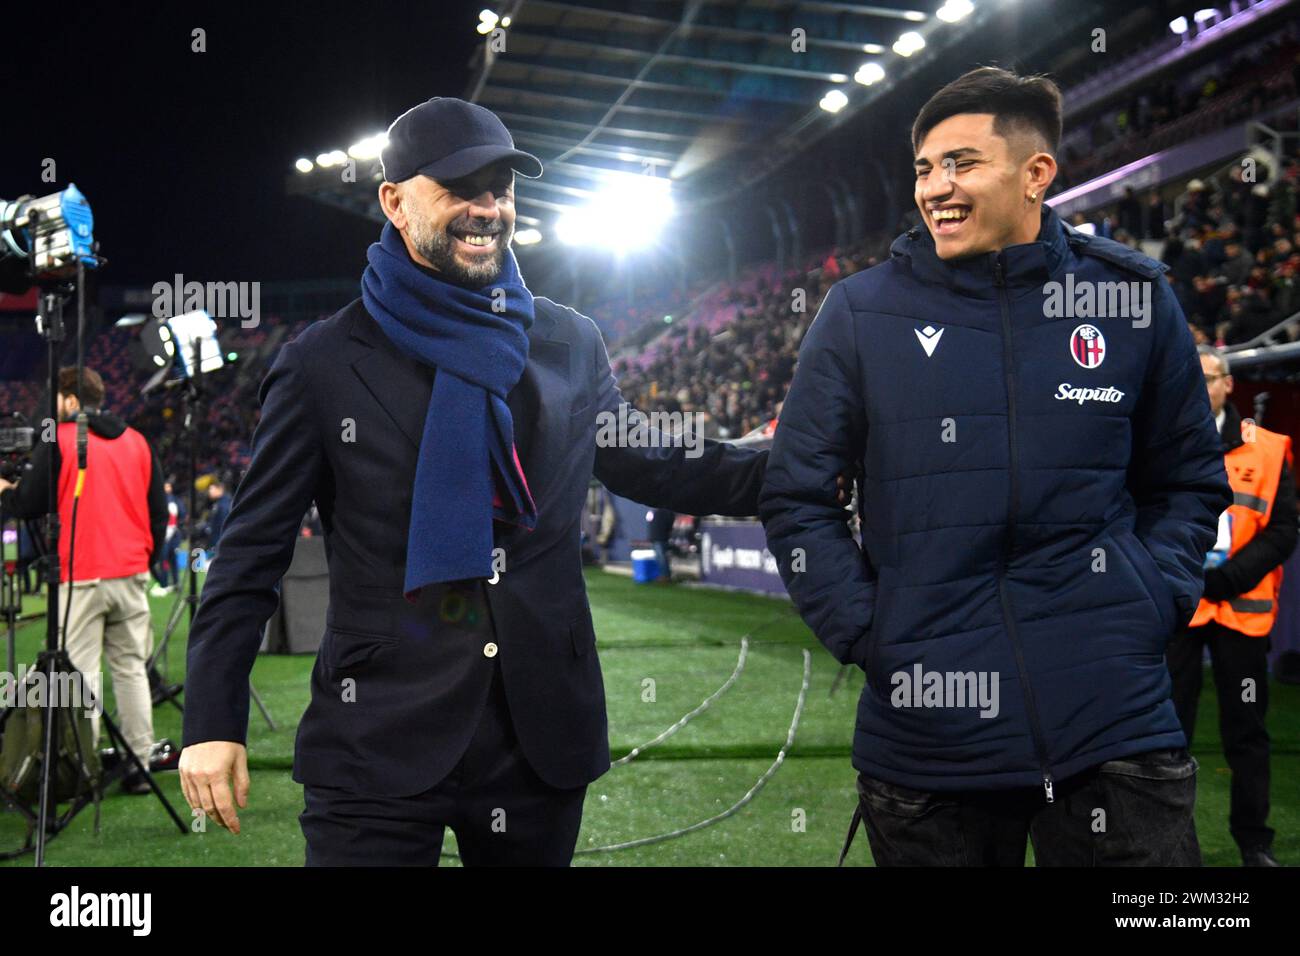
point(749, 795)
point(707, 702)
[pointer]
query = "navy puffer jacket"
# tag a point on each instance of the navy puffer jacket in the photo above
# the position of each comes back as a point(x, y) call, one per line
point(1040, 485)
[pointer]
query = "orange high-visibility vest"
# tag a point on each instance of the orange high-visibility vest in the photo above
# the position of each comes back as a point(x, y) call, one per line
point(1254, 470)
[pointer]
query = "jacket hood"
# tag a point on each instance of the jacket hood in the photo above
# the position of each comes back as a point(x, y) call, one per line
point(104, 424)
point(1024, 264)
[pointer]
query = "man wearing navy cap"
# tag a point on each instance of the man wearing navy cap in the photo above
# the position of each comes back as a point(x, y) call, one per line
point(445, 425)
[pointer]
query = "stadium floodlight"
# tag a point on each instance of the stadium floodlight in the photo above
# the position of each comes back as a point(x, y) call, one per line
point(528, 237)
point(370, 147)
point(954, 10)
point(335, 157)
point(915, 15)
point(1209, 13)
point(839, 78)
point(487, 22)
point(834, 101)
point(869, 73)
point(1178, 25)
point(909, 43)
point(626, 215)
point(304, 165)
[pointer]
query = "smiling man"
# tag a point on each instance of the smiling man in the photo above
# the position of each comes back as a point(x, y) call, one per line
point(1038, 492)
point(445, 426)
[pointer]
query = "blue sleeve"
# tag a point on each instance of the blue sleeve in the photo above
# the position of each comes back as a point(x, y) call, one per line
point(1176, 475)
point(242, 589)
point(721, 479)
point(821, 435)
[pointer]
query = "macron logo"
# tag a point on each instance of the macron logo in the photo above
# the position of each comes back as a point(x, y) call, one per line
point(929, 338)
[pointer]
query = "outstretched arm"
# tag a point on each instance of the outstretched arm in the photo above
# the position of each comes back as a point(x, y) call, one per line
point(819, 439)
point(709, 477)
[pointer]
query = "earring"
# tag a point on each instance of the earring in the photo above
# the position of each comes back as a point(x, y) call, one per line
point(1033, 197)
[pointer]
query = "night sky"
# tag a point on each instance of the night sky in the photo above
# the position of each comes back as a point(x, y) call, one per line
point(183, 155)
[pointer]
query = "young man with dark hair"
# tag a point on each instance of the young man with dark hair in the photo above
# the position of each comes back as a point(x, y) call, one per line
point(120, 529)
point(1040, 480)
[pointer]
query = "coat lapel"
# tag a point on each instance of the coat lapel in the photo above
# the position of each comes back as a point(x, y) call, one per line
point(402, 385)
point(399, 384)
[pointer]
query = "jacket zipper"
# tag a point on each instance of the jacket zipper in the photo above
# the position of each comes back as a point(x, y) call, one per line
point(1013, 504)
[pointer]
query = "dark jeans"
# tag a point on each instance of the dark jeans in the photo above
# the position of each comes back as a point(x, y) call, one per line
point(1131, 812)
point(502, 813)
point(1235, 657)
point(165, 571)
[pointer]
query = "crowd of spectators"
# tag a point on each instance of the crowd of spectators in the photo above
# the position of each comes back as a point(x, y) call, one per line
point(732, 358)
point(1164, 113)
point(1232, 245)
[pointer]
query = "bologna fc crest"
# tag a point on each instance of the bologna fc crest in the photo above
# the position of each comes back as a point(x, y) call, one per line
point(1087, 347)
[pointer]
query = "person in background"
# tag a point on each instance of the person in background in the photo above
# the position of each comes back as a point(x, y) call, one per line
point(121, 520)
point(1243, 575)
point(660, 528)
point(217, 515)
point(165, 570)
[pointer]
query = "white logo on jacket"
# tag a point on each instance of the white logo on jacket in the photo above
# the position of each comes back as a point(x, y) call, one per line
point(1065, 392)
point(929, 338)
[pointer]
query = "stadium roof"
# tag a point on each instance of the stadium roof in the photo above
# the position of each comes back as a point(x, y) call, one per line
point(708, 96)
point(600, 88)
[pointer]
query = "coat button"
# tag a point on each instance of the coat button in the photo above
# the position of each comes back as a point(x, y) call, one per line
point(489, 649)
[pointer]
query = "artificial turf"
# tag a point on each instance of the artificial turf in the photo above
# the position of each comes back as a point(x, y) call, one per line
point(663, 651)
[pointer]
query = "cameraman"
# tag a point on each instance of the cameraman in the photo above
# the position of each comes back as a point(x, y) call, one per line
point(121, 523)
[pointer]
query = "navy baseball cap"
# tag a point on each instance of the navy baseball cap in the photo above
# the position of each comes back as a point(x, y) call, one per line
point(447, 138)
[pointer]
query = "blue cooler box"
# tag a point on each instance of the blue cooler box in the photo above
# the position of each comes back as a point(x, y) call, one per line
point(645, 566)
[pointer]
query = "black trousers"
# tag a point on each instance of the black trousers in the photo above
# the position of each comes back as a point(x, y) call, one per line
point(502, 813)
point(1235, 658)
point(1131, 812)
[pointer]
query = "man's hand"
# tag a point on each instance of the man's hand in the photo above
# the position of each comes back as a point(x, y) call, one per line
point(206, 771)
point(5, 485)
point(844, 485)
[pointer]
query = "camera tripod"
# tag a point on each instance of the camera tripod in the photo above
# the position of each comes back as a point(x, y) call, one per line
point(53, 662)
point(187, 594)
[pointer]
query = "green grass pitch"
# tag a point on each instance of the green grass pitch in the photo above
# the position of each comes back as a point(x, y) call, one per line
point(663, 651)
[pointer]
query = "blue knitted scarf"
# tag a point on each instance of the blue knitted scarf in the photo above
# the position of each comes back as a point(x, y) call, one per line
point(468, 472)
